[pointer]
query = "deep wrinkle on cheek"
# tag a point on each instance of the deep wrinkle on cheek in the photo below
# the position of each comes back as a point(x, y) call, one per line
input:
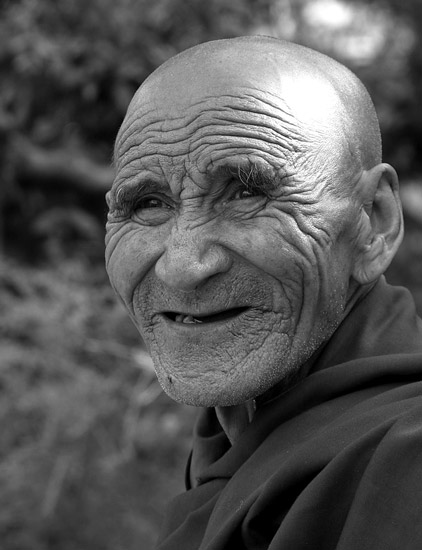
point(116, 232)
point(132, 252)
point(306, 223)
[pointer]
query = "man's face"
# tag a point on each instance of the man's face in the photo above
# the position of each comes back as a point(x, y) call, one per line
point(223, 241)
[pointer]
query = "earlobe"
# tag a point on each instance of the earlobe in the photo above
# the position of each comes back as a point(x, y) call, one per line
point(381, 223)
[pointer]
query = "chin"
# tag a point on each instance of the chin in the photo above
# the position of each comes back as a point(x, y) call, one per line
point(190, 394)
point(204, 392)
point(223, 381)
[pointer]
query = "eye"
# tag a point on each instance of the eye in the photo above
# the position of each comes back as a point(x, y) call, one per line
point(152, 210)
point(150, 202)
point(243, 193)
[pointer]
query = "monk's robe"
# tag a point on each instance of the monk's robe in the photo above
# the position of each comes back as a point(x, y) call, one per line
point(333, 463)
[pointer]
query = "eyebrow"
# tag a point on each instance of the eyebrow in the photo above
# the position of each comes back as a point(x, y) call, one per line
point(252, 175)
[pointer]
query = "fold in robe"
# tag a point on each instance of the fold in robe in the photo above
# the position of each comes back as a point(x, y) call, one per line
point(333, 463)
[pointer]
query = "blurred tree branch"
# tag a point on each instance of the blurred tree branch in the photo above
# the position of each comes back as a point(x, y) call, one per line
point(43, 167)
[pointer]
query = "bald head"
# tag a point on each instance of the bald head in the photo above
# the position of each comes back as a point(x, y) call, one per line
point(323, 96)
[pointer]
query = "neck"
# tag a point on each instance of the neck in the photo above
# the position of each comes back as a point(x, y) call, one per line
point(235, 419)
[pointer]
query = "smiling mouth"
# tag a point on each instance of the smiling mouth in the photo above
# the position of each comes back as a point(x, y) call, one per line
point(188, 319)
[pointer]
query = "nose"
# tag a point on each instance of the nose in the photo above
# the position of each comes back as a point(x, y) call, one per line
point(190, 258)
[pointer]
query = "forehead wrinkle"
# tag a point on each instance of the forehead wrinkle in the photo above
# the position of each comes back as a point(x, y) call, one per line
point(254, 138)
point(225, 139)
point(139, 122)
point(137, 164)
point(253, 122)
point(151, 112)
point(248, 110)
point(268, 127)
point(268, 104)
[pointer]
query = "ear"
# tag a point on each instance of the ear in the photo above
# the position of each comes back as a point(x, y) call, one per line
point(380, 228)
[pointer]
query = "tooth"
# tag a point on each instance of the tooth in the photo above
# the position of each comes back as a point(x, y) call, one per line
point(189, 319)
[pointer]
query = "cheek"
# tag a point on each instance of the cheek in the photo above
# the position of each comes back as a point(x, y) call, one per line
point(286, 256)
point(311, 272)
point(130, 254)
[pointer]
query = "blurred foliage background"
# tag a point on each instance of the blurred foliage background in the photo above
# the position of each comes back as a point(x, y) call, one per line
point(90, 449)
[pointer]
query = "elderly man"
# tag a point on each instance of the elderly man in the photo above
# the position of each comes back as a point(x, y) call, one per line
point(251, 221)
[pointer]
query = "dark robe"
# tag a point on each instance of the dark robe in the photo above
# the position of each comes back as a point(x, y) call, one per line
point(333, 463)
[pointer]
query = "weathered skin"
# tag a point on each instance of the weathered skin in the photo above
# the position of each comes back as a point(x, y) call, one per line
point(248, 176)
